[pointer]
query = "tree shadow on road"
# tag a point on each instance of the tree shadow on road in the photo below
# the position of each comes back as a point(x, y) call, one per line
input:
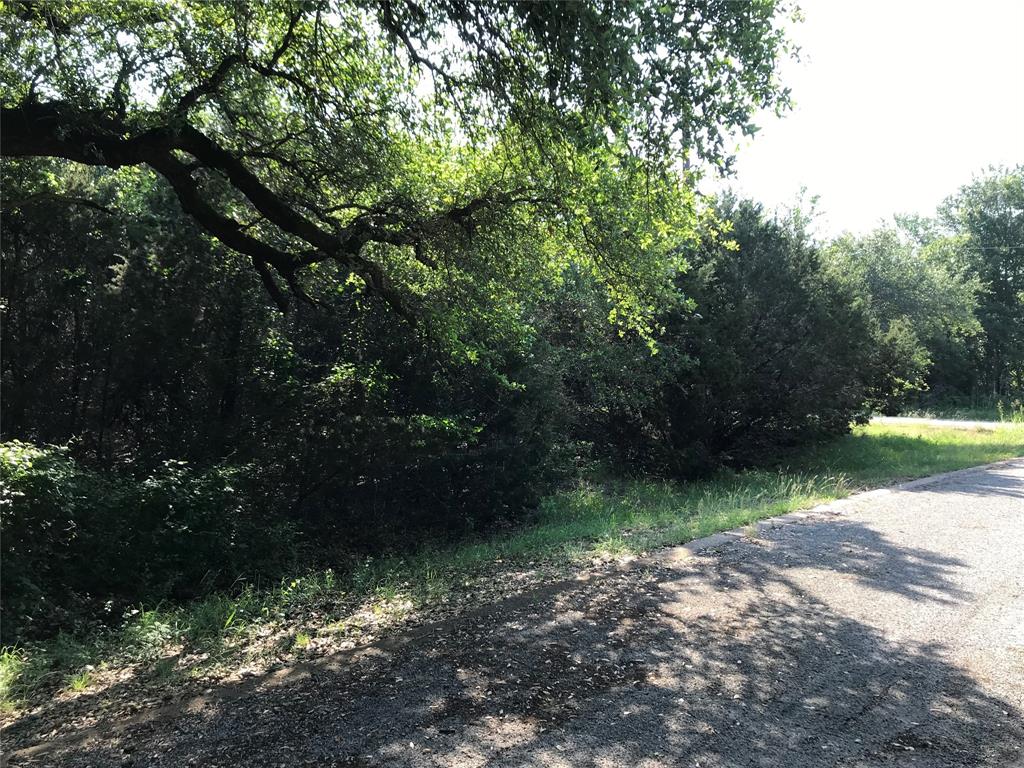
point(646, 667)
point(993, 482)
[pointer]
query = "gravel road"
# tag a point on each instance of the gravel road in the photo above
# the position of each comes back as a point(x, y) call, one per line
point(890, 632)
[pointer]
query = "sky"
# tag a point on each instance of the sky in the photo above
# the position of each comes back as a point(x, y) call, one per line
point(897, 104)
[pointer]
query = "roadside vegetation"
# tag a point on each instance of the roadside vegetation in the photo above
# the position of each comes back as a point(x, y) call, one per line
point(319, 313)
point(319, 612)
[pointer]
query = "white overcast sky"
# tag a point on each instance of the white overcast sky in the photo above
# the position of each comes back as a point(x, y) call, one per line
point(897, 103)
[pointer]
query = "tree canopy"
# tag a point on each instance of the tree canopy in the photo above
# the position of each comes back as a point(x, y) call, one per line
point(403, 143)
point(985, 220)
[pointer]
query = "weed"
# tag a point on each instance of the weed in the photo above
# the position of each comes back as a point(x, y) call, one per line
point(12, 665)
point(80, 682)
point(164, 669)
point(1012, 412)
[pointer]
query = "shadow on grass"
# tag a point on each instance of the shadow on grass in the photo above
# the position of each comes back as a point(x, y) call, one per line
point(765, 654)
point(595, 521)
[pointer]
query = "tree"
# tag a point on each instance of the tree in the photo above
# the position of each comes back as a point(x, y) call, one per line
point(986, 219)
point(370, 139)
point(921, 305)
point(778, 344)
point(769, 349)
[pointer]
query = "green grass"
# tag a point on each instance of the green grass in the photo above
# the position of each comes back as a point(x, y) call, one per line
point(80, 681)
point(12, 669)
point(879, 454)
point(574, 526)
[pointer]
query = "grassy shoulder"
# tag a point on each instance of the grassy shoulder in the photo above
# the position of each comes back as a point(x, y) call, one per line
point(319, 613)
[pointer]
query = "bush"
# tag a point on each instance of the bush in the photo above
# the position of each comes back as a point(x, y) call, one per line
point(80, 544)
point(779, 346)
point(766, 348)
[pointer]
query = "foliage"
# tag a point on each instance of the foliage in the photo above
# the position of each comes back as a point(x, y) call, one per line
point(158, 349)
point(78, 544)
point(986, 218)
point(358, 435)
point(921, 306)
point(404, 146)
point(945, 297)
point(768, 349)
point(498, 279)
point(779, 345)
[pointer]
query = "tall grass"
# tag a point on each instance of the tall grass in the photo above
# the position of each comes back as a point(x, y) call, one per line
point(576, 525)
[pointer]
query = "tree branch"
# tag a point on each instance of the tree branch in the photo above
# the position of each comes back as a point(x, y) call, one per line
point(57, 129)
point(209, 86)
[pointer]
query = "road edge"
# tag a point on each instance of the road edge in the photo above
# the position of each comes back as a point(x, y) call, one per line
point(680, 552)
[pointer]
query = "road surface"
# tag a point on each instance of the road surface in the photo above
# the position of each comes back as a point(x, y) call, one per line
point(890, 633)
point(946, 423)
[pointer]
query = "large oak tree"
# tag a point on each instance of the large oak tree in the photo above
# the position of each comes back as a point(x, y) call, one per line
point(379, 138)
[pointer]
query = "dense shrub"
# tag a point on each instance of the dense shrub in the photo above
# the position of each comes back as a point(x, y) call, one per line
point(765, 348)
point(779, 345)
point(79, 544)
point(333, 431)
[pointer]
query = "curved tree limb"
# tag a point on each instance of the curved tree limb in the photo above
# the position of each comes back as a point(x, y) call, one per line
point(59, 129)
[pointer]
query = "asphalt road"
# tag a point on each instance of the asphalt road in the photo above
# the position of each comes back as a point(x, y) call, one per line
point(891, 633)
